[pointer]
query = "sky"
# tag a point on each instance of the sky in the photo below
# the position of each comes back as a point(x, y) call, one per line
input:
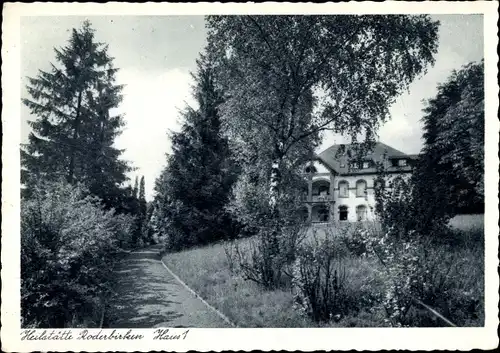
point(155, 55)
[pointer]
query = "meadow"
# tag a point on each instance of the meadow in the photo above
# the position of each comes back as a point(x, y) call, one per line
point(455, 273)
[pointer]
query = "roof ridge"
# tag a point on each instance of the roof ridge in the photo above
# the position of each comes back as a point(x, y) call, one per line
point(380, 144)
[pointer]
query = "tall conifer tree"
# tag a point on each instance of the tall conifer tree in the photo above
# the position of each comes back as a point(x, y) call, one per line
point(142, 197)
point(195, 186)
point(73, 134)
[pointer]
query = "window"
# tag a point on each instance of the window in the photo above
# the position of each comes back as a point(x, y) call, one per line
point(342, 165)
point(394, 162)
point(311, 169)
point(402, 163)
point(360, 188)
point(361, 212)
point(343, 213)
point(366, 165)
point(343, 189)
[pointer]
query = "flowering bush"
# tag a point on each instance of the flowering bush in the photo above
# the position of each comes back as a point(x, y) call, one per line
point(67, 246)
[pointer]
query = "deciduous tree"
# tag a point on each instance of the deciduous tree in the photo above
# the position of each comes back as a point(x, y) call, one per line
point(289, 78)
point(450, 174)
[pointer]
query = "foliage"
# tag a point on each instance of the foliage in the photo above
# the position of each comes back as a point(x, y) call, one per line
point(250, 202)
point(73, 133)
point(276, 232)
point(319, 280)
point(139, 206)
point(353, 239)
point(142, 198)
point(422, 270)
point(400, 207)
point(195, 186)
point(450, 173)
point(68, 243)
point(267, 256)
point(206, 270)
point(288, 78)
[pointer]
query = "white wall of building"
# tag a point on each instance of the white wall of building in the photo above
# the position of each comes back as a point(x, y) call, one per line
point(353, 201)
point(320, 167)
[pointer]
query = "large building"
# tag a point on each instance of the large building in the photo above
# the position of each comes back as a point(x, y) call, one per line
point(342, 190)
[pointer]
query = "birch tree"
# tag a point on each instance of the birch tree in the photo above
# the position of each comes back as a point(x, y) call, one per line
point(287, 79)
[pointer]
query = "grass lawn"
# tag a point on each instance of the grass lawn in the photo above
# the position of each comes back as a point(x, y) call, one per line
point(468, 222)
point(207, 271)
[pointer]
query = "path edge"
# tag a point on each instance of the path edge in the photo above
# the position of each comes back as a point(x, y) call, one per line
point(221, 315)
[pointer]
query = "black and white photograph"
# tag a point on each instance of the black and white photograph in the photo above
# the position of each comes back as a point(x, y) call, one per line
point(252, 170)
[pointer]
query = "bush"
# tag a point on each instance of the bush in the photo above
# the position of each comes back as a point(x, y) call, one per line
point(401, 212)
point(265, 257)
point(320, 282)
point(426, 270)
point(67, 246)
point(354, 237)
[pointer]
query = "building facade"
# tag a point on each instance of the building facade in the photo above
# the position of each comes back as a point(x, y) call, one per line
point(340, 190)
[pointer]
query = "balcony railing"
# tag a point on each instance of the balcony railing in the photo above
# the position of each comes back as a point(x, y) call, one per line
point(316, 198)
point(321, 198)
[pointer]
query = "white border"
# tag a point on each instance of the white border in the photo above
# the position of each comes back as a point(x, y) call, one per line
point(244, 339)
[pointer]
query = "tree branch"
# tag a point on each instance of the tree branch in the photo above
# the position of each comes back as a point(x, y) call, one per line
point(264, 37)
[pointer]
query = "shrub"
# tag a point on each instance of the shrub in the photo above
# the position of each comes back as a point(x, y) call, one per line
point(422, 270)
point(354, 237)
point(401, 212)
point(319, 280)
point(67, 246)
point(122, 227)
point(265, 257)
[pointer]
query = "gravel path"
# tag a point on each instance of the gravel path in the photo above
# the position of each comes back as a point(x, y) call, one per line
point(147, 296)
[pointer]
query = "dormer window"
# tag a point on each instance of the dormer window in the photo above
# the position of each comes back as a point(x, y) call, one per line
point(311, 169)
point(399, 162)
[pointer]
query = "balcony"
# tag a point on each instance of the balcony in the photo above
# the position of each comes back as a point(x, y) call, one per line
point(321, 198)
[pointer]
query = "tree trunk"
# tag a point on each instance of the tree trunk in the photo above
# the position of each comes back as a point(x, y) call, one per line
point(274, 187)
point(274, 184)
point(76, 123)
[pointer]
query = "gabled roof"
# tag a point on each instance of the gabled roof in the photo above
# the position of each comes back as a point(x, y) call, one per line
point(337, 158)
